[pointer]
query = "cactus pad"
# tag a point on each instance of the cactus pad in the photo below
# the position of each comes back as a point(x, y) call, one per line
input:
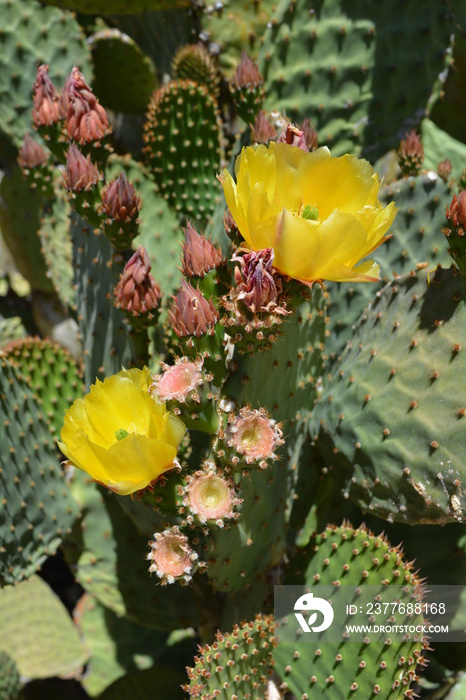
point(37, 509)
point(50, 371)
point(391, 418)
point(124, 77)
point(237, 665)
point(184, 147)
point(49, 645)
point(356, 83)
point(30, 35)
point(339, 670)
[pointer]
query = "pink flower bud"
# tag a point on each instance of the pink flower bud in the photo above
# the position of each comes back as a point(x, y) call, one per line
point(411, 153)
point(120, 201)
point(199, 254)
point(32, 154)
point(171, 557)
point(81, 173)
point(191, 313)
point(137, 292)
point(86, 119)
point(247, 73)
point(256, 281)
point(47, 109)
point(262, 131)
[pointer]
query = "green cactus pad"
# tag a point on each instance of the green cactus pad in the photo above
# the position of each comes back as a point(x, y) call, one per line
point(20, 211)
point(10, 682)
point(116, 644)
point(37, 510)
point(391, 417)
point(342, 67)
point(32, 34)
point(50, 372)
point(194, 62)
point(415, 238)
point(56, 245)
point(237, 665)
point(124, 77)
point(184, 148)
point(49, 644)
point(439, 145)
point(121, 7)
point(113, 567)
point(339, 670)
point(234, 26)
point(106, 337)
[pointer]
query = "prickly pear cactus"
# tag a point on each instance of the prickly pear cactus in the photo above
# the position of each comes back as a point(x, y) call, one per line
point(267, 342)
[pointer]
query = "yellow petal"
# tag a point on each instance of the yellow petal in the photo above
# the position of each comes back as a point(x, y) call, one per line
point(297, 244)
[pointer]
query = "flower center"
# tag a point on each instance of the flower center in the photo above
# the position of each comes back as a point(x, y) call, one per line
point(309, 212)
point(121, 433)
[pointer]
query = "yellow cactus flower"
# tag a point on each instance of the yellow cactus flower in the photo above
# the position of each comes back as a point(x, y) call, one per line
point(320, 215)
point(120, 435)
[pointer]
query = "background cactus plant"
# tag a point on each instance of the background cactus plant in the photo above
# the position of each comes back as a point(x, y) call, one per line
point(306, 408)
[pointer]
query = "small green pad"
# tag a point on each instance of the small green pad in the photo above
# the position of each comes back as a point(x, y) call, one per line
point(124, 77)
point(38, 633)
point(184, 147)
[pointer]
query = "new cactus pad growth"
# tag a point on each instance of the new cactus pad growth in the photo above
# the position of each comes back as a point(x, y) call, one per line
point(240, 230)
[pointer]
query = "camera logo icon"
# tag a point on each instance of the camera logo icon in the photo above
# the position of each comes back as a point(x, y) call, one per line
point(310, 605)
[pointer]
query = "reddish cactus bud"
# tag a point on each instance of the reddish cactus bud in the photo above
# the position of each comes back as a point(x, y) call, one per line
point(86, 119)
point(258, 286)
point(191, 313)
point(294, 137)
point(179, 381)
point(247, 73)
point(444, 169)
point(81, 173)
point(47, 109)
point(411, 154)
point(120, 201)
point(171, 557)
point(310, 135)
point(456, 212)
point(32, 154)
point(199, 254)
point(262, 130)
point(455, 230)
point(137, 292)
point(210, 497)
point(254, 435)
